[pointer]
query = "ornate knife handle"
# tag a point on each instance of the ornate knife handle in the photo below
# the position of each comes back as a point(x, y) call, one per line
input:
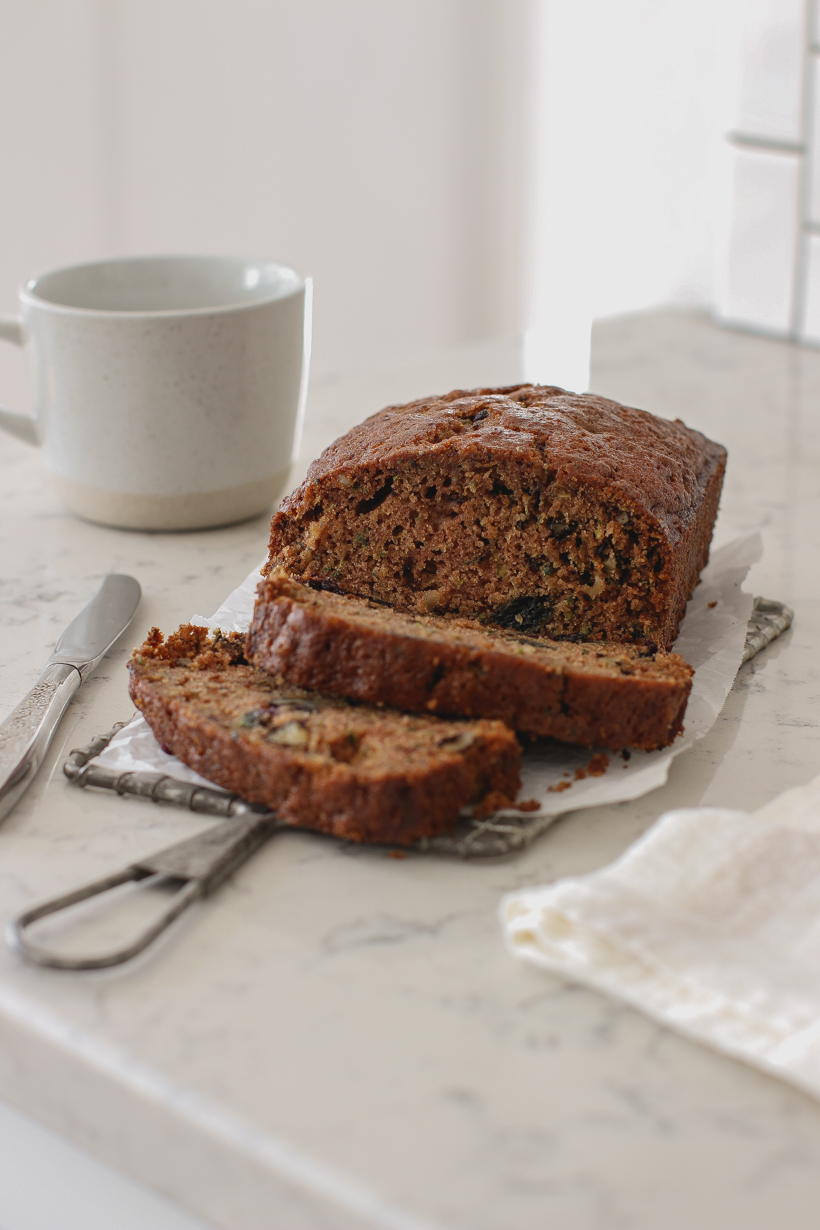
point(28, 730)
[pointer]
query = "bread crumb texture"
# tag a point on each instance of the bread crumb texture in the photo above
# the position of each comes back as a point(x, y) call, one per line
point(597, 693)
point(526, 507)
point(357, 771)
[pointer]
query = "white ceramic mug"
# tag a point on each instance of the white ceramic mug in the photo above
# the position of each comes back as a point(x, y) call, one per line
point(168, 390)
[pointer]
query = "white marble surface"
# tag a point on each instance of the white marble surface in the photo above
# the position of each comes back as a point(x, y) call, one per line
point(338, 1039)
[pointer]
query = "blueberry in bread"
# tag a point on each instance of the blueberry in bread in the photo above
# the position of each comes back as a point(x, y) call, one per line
point(356, 771)
point(527, 507)
point(597, 694)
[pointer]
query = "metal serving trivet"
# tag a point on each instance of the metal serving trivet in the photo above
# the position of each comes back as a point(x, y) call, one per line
point(505, 832)
point(198, 865)
point(767, 620)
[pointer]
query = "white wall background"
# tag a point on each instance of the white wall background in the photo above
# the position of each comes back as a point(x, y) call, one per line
point(366, 142)
point(446, 169)
point(633, 101)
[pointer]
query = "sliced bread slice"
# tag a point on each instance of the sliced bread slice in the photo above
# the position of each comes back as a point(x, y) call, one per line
point(358, 772)
point(596, 694)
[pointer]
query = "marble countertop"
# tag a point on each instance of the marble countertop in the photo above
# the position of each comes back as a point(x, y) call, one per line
point(338, 1038)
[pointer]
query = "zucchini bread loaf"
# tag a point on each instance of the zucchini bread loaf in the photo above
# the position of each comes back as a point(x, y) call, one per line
point(599, 694)
point(527, 507)
point(357, 772)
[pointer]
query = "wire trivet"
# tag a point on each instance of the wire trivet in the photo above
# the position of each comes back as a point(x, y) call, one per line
point(195, 867)
point(497, 835)
point(766, 622)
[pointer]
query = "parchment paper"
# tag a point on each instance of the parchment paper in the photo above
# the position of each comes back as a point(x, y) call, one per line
point(711, 639)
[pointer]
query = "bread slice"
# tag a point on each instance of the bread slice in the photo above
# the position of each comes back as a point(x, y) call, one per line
point(604, 695)
point(358, 772)
point(535, 509)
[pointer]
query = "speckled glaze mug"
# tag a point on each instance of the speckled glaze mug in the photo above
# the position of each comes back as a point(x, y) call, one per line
point(169, 390)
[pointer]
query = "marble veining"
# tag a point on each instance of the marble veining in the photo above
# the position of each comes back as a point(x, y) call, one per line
point(338, 1038)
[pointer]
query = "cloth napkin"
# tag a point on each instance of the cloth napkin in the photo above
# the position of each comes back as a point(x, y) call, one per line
point(709, 923)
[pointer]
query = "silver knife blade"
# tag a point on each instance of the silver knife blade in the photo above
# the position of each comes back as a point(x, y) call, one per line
point(28, 730)
point(89, 637)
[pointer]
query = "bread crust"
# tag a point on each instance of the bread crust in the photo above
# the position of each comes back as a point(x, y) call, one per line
point(585, 518)
point(359, 773)
point(601, 695)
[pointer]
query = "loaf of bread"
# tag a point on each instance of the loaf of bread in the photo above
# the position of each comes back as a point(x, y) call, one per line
point(598, 694)
point(358, 772)
point(526, 507)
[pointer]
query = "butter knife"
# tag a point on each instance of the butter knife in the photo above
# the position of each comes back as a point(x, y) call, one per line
point(28, 730)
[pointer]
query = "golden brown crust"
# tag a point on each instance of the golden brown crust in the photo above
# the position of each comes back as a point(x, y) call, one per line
point(580, 517)
point(357, 772)
point(600, 694)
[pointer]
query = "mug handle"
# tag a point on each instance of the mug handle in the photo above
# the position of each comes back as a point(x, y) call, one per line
point(20, 425)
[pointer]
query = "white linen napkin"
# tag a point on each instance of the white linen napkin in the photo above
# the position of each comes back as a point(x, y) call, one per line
point(709, 923)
